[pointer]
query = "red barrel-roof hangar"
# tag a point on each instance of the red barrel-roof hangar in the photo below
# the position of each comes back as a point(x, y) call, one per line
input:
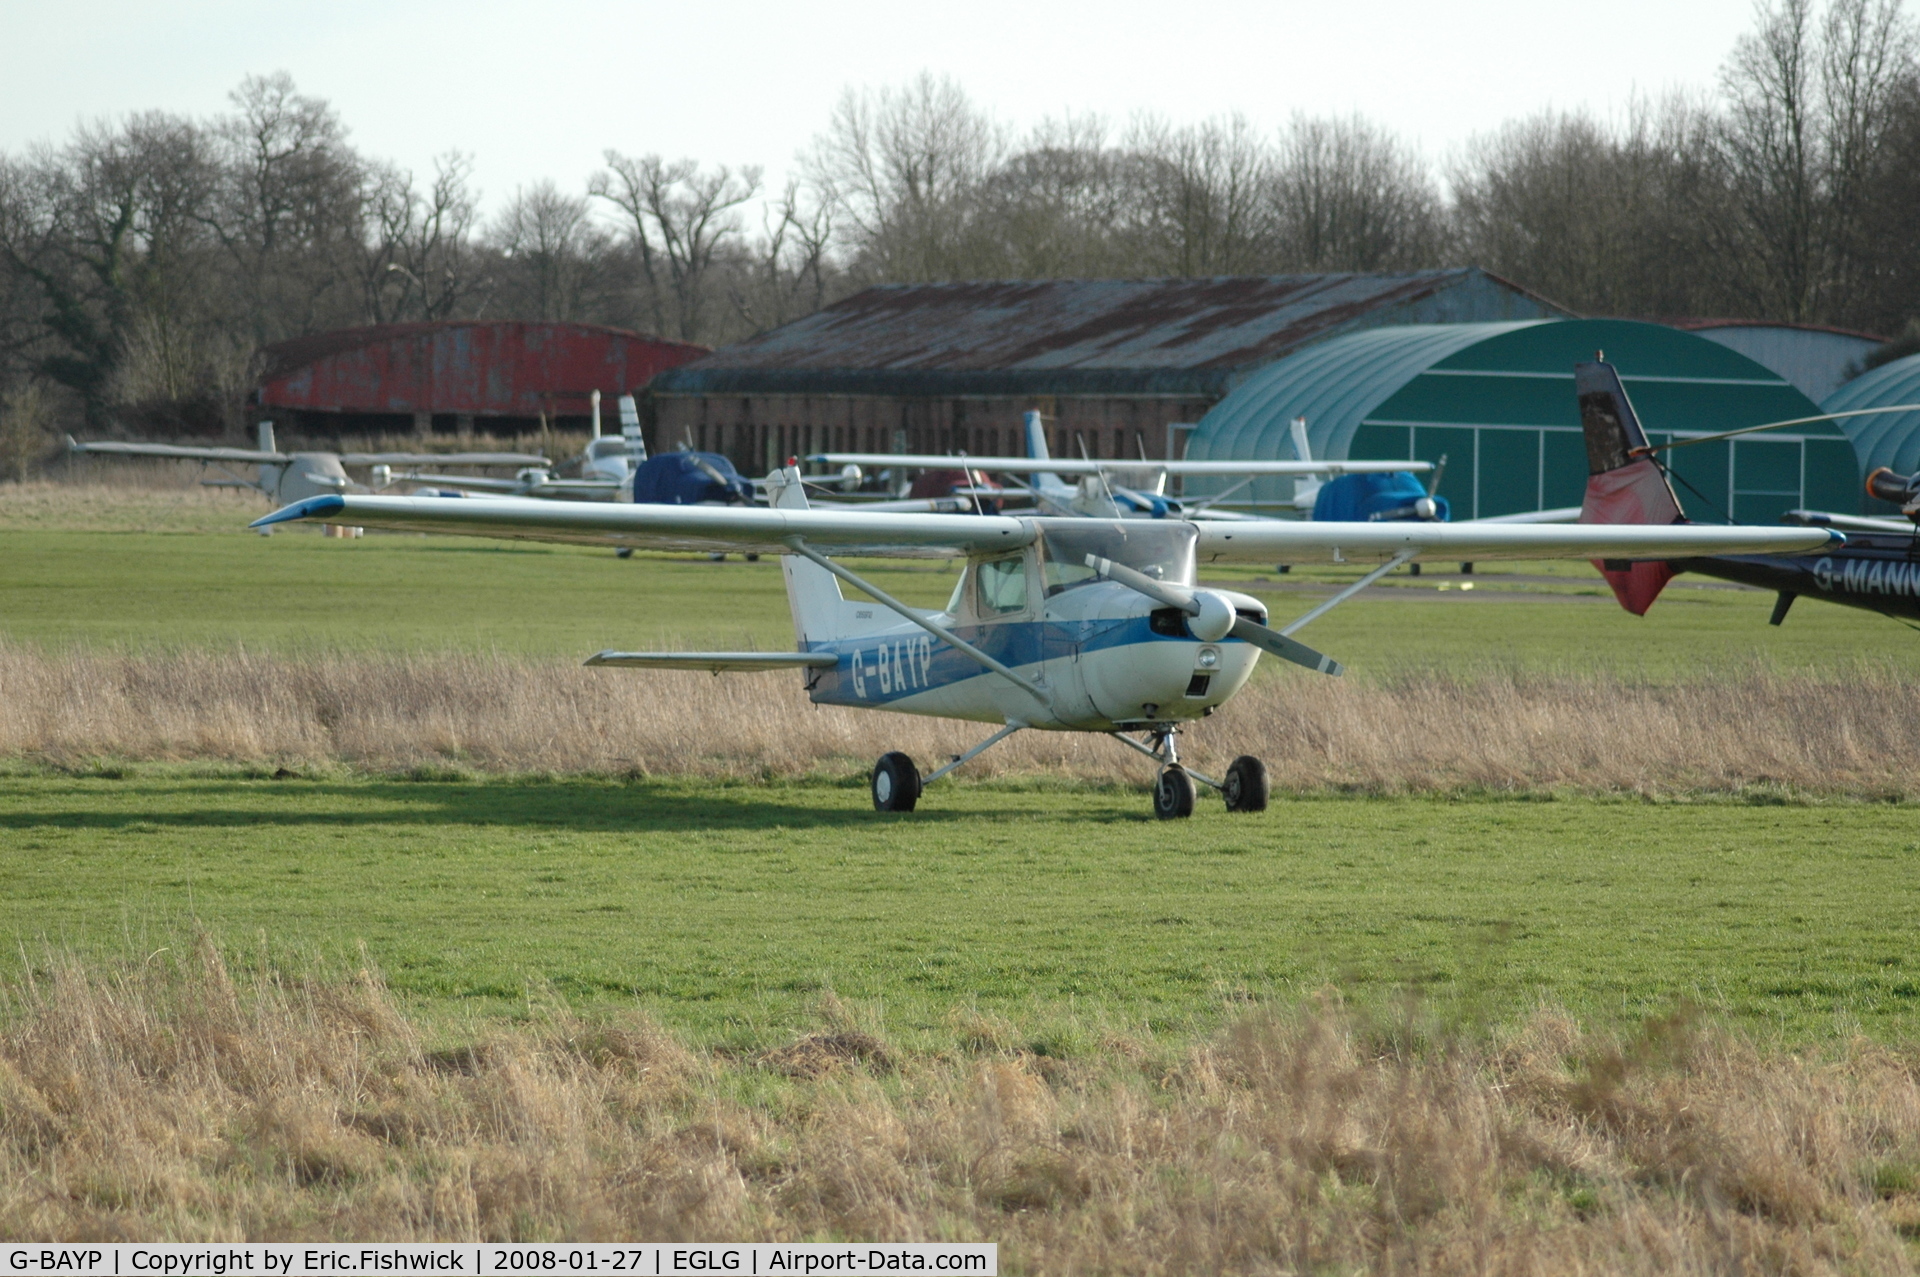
point(500, 377)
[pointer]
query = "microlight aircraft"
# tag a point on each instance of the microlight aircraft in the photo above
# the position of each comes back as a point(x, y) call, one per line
point(1075, 624)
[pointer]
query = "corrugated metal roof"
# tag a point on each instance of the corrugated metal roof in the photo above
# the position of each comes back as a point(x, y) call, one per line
point(1891, 439)
point(1084, 336)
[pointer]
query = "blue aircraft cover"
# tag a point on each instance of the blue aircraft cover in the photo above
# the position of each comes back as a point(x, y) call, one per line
point(1358, 498)
point(689, 478)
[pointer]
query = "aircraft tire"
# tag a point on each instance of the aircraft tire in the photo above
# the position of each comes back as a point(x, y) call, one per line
point(896, 783)
point(1173, 795)
point(1245, 787)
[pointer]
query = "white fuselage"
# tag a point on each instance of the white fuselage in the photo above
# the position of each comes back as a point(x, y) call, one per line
point(1104, 657)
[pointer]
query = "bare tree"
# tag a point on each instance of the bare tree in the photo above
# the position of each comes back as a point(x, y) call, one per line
point(1201, 191)
point(680, 220)
point(105, 231)
point(1806, 119)
point(902, 168)
point(1348, 196)
point(552, 249)
point(1605, 220)
point(789, 272)
point(421, 263)
point(289, 209)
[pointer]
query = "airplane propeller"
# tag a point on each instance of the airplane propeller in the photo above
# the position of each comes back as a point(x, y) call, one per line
point(1213, 618)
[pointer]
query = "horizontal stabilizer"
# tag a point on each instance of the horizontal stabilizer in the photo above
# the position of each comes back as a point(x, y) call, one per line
point(719, 662)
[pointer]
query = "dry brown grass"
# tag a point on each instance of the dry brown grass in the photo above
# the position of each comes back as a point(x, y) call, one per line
point(170, 1099)
point(1847, 732)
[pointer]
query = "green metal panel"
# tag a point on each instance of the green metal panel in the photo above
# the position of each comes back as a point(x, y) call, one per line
point(1382, 443)
point(1564, 467)
point(1430, 443)
point(1509, 472)
point(1766, 479)
point(1700, 479)
point(1360, 395)
point(1833, 478)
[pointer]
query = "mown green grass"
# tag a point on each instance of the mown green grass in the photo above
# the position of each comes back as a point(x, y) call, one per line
point(299, 591)
point(726, 910)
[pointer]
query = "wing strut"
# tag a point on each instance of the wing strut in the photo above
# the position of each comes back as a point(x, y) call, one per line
point(1349, 592)
point(940, 632)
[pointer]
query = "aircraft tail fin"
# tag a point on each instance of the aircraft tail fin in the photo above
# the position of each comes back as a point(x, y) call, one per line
point(630, 428)
point(1624, 485)
point(1047, 484)
point(813, 593)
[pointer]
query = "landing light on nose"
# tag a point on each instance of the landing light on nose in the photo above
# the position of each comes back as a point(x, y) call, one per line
point(1208, 658)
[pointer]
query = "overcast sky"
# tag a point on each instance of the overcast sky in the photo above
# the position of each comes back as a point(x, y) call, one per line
point(538, 88)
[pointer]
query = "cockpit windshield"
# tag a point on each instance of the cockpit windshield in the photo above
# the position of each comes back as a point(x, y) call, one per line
point(607, 446)
point(1164, 551)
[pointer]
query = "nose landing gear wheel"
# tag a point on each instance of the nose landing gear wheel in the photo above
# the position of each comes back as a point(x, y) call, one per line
point(896, 783)
point(1173, 795)
point(1245, 786)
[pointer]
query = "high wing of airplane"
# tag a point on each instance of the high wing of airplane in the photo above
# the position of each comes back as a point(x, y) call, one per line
point(292, 476)
point(1056, 624)
point(1878, 568)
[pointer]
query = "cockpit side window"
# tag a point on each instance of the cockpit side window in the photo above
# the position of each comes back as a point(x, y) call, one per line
point(1000, 585)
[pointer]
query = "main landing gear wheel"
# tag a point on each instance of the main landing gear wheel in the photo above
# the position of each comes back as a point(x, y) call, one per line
point(1173, 795)
point(1245, 786)
point(896, 783)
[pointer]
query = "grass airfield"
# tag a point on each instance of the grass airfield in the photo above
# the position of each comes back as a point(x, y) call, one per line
point(167, 570)
point(726, 910)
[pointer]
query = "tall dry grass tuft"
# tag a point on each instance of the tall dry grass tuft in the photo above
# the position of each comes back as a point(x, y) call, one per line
point(171, 1099)
point(1845, 732)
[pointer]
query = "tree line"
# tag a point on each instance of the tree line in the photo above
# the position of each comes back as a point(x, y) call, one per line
point(145, 262)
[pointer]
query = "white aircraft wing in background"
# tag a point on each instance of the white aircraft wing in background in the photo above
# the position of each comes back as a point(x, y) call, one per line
point(529, 487)
point(1058, 465)
point(256, 456)
point(236, 456)
point(742, 529)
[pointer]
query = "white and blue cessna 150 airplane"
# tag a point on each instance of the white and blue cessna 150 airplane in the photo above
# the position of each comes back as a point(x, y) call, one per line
point(1056, 624)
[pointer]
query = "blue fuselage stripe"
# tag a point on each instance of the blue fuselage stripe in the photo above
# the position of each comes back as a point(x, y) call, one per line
point(886, 667)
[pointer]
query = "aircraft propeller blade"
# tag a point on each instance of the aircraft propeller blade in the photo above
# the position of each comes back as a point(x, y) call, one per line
point(1267, 640)
point(1287, 649)
point(1433, 475)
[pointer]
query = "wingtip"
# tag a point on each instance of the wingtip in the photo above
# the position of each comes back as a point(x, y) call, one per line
point(311, 508)
point(1835, 539)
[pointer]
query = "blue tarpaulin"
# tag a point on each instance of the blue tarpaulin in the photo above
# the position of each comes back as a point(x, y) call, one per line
point(689, 478)
point(1357, 498)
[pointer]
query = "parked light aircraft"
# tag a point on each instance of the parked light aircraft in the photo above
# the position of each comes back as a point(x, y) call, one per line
point(1109, 489)
point(291, 476)
point(1084, 625)
point(607, 467)
point(1878, 568)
